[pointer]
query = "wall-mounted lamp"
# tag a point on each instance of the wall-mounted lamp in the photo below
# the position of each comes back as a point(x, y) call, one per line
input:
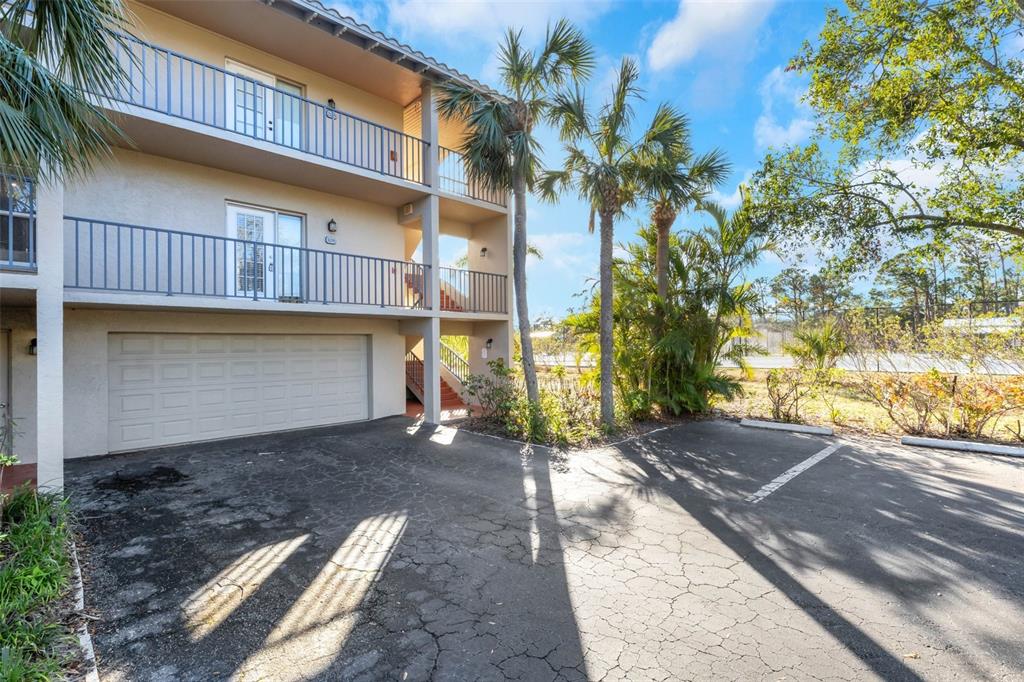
point(332, 225)
point(483, 252)
point(33, 347)
point(330, 109)
point(490, 342)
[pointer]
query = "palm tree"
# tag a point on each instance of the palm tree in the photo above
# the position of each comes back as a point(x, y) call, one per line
point(604, 165)
point(673, 181)
point(500, 149)
point(52, 55)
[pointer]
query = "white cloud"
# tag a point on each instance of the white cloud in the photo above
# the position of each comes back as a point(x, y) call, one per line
point(782, 90)
point(565, 251)
point(732, 201)
point(486, 20)
point(706, 25)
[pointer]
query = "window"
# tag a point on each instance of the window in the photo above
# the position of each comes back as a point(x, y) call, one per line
point(17, 222)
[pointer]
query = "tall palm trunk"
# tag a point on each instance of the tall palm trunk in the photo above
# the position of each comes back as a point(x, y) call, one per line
point(663, 219)
point(607, 342)
point(519, 281)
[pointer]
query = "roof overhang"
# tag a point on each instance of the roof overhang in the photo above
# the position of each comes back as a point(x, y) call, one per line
point(308, 33)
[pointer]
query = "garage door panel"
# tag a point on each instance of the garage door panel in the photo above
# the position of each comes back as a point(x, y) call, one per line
point(173, 388)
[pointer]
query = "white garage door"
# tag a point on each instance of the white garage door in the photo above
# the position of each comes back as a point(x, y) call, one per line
point(178, 388)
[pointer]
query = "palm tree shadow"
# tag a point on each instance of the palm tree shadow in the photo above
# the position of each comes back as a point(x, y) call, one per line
point(688, 497)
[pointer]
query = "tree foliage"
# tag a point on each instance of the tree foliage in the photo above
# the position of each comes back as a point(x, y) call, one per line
point(501, 150)
point(919, 106)
point(53, 55)
point(604, 163)
point(668, 350)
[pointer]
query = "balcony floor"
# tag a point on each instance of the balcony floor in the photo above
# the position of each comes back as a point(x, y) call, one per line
point(175, 138)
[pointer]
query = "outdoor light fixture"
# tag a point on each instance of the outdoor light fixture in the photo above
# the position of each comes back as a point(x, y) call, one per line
point(33, 347)
point(330, 109)
point(490, 342)
point(332, 226)
point(483, 252)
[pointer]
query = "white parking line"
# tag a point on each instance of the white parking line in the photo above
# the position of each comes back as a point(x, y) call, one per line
point(776, 483)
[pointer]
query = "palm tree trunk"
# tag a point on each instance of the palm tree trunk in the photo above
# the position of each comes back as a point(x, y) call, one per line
point(663, 224)
point(519, 281)
point(606, 339)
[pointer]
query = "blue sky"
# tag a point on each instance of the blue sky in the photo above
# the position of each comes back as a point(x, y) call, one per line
point(722, 62)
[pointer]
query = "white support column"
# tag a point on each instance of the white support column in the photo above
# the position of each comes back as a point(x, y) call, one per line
point(50, 336)
point(429, 132)
point(432, 370)
point(430, 222)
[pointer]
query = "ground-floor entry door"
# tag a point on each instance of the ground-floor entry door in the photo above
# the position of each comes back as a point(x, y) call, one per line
point(179, 388)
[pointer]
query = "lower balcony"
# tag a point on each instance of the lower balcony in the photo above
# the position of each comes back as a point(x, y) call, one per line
point(115, 257)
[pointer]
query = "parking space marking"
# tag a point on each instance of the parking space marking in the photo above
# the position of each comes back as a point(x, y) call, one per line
point(779, 481)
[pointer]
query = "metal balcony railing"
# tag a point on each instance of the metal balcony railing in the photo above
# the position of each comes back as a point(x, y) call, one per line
point(472, 291)
point(171, 83)
point(453, 362)
point(110, 256)
point(455, 180)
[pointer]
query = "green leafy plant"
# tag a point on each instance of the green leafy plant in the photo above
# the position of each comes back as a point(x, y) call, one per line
point(818, 347)
point(567, 413)
point(787, 389)
point(669, 352)
point(34, 575)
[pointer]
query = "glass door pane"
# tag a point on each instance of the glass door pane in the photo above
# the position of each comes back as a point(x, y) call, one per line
point(288, 256)
point(288, 108)
point(249, 228)
point(250, 108)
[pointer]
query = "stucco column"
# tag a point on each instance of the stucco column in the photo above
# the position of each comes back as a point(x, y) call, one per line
point(50, 336)
point(429, 132)
point(430, 223)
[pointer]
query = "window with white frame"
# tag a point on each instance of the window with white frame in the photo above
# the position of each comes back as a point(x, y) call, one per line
point(17, 222)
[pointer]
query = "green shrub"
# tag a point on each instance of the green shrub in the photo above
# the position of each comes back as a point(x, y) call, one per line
point(818, 348)
point(786, 390)
point(568, 412)
point(34, 574)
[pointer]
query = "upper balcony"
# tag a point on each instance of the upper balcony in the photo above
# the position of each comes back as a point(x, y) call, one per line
point(269, 117)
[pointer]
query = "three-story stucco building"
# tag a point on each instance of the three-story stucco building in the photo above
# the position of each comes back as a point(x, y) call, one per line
point(259, 253)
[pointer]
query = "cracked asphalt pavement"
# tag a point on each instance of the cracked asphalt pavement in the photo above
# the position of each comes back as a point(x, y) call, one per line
point(383, 551)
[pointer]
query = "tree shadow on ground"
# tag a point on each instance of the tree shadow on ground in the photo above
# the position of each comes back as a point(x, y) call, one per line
point(363, 551)
point(908, 530)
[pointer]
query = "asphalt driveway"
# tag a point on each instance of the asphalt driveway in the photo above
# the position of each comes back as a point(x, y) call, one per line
point(383, 551)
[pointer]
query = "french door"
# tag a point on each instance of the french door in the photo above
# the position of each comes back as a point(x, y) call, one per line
point(265, 253)
point(263, 106)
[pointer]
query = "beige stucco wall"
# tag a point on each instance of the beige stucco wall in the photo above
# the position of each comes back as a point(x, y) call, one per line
point(20, 322)
point(86, 350)
point(170, 32)
point(153, 191)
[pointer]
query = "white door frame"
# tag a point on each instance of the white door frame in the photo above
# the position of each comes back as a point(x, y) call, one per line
point(270, 287)
point(262, 110)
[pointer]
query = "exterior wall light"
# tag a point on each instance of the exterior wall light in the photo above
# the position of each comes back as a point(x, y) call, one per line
point(483, 252)
point(33, 347)
point(332, 225)
point(331, 109)
point(490, 342)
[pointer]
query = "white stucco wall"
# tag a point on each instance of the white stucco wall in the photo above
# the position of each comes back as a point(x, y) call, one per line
point(21, 322)
point(86, 351)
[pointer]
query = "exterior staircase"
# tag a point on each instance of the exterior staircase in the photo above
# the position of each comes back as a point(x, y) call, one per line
point(448, 301)
point(450, 399)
